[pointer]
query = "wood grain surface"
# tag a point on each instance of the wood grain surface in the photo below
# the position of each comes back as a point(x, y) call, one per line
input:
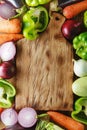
point(45, 70)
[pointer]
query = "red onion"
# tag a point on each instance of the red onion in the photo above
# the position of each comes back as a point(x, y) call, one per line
point(9, 117)
point(71, 28)
point(16, 3)
point(27, 117)
point(7, 10)
point(7, 51)
point(15, 127)
point(7, 70)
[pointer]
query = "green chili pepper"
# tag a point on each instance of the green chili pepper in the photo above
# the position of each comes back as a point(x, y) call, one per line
point(7, 93)
point(80, 113)
point(36, 2)
point(34, 22)
point(80, 44)
point(85, 19)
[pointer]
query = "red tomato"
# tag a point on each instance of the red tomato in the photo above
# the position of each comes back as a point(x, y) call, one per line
point(1, 109)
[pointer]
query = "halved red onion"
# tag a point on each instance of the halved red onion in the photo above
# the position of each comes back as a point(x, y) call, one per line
point(27, 117)
point(7, 51)
point(9, 117)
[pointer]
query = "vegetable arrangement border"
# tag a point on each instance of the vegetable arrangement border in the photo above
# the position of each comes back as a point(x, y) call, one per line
point(28, 19)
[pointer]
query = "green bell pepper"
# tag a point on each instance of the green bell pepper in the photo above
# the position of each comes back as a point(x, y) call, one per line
point(34, 22)
point(85, 19)
point(80, 44)
point(80, 112)
point(36, 2)
point(7, 93)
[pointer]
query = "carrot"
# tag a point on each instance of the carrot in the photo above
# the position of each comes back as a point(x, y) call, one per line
point(65, 121)
point(74, 9)
point(9, 37)
point(10, 26)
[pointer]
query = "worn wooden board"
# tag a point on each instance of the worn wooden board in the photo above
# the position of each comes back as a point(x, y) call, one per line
point(45, 70)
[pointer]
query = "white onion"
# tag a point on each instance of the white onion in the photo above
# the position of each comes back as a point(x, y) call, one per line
point(27, 117)
point(7, 51)
point(9, 117)
point(80, 67)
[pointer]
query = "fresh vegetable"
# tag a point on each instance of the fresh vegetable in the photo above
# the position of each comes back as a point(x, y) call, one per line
point(79, 86)
point(34, 22)
point(9, 117)
point(63, 3)
point(10, 26)
point(46, 125)
point(74, 9)
point(7, 70)
point(1, 110)
point(7, 51)
point(7, 93)
point(80, 45)
point(16, 3)
point(7, 10)
point(10, 37)
point(54, 5)
point(36, 2)
point(27, 117)
point(20, 12)
point(71, 28)
point(16, 127)
point(65, 121)
point(80, 112)
point(85, 18)
point(80, 67)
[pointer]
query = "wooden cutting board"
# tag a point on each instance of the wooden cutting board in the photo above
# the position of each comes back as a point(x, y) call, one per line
point(45, 70)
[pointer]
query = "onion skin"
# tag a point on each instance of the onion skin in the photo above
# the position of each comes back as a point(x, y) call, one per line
point(71, 28)
point(15, 127)
point(7, 70)
point(27, 117)
point(16, 3)
point(7, 10)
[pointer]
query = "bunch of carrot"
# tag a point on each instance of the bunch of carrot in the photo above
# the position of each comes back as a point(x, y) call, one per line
point(10, 30)
point(65, 121)
point(74, 9)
